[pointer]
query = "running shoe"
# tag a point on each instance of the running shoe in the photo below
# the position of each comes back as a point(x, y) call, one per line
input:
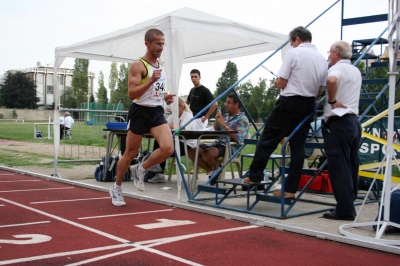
point(138, 177)
point(116, 197)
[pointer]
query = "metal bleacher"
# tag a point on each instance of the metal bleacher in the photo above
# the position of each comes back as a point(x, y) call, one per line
point(373, 100)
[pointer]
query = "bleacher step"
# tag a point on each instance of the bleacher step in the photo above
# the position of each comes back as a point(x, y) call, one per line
point(239, 181)
point(375, 81)
point(211, 189)
point(382, 64)
point(261, 196)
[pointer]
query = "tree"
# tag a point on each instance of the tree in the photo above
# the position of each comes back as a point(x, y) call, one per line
point(80, 82)
point(253, 109)
point(121, 93)
point(244, 91)
point(1, 98)
point(92, 100)
point(271, 96)
point(258, 100)
point(227, 79)
point(102, 92)
point(18, 91)
point(68, 99)
point(112, 81)
point(258, 96)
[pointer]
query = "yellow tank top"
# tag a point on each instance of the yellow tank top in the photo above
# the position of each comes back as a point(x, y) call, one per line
point(154, 95)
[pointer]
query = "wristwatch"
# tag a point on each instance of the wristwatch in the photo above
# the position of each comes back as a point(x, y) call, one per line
point(332, 102)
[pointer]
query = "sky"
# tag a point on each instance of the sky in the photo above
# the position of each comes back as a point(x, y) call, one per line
point(31, 30)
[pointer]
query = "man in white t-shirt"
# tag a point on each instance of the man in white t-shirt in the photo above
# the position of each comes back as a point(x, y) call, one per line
point(68, 121)
point(342, 134)
point(301, 78)
point(65, 123)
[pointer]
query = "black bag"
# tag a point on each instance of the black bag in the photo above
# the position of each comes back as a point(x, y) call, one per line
point(394, 213)
point(318, 161)
point(111, 171)
point(148, 175)
point(364, 183)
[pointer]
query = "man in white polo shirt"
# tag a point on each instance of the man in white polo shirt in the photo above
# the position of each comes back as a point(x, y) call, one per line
point(342, 134)
point(301, 78)
point(65, 124)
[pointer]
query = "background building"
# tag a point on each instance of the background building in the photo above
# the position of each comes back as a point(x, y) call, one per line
point(42, 76)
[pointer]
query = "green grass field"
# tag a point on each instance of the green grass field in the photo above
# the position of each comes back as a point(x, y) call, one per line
point(85, 135)
point(82, 134)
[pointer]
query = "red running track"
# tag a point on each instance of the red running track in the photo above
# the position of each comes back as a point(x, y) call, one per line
point(45, 222)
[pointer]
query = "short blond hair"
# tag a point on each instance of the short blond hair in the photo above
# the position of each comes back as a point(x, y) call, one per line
point(182, 102)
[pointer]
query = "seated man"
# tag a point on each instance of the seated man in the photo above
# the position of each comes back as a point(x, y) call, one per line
point(67, 125)
point(61, 119)
point(233, 120)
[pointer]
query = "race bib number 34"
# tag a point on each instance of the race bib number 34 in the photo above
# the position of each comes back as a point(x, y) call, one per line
point(158, 89)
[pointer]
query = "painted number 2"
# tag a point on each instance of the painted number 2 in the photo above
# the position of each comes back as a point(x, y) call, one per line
point(30, 239)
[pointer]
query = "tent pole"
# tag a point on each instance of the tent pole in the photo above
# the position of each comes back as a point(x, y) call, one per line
point(56, 122)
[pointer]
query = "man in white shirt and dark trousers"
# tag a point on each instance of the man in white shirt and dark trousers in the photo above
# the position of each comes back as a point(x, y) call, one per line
point(342, 134)
point(301, 78)
point(66, 124)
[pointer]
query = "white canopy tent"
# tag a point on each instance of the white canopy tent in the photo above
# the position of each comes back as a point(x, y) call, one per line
point(191, 36)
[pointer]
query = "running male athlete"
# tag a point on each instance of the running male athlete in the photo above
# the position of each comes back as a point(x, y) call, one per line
point(146, 88)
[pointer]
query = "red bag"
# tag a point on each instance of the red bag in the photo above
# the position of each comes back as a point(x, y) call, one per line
point(316, 185)
point(326, 184)
point(321, 183)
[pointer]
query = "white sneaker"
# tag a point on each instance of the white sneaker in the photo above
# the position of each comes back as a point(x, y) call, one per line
point(277, 173)
point(138, 177)
point(116, 197)
point(158, 178)
point(275, 187)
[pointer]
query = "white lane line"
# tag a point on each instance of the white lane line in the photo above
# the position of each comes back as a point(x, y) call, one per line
point(123, 214)
point(52, 201)
point(138, 245)
point(162, 241)
point(132, 250)
point(163, 223)
point(171, 239)
point(6, 191)
point(2, 205)
point(84, 227)
point(11, 225)
point(62, 254)
point(14, 181)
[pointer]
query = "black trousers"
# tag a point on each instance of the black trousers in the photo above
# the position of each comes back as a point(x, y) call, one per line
point(286, 115)
point(342, 137)
point(62, 129)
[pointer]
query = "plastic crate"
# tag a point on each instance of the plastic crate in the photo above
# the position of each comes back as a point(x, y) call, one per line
point(116, 125)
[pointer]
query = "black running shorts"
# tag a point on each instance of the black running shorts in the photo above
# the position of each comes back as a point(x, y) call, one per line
point(142, 118)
